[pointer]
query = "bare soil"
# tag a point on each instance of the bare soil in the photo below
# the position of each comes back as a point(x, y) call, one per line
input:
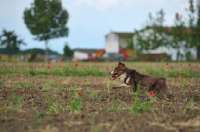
point(108, 109)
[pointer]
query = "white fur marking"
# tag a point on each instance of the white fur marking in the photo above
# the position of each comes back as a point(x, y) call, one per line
point(112, 72)
point(123, 85)
point(122, 76)
point(127, 81)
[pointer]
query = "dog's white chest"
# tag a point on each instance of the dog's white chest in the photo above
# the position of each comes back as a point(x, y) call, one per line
point(122, 77)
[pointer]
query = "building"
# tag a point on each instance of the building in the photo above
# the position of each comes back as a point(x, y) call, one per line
point(117, 41)
point(84, 54)
point(118, 44)
point(169, 50)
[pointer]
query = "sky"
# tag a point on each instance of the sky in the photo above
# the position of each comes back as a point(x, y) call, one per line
point(90, 20)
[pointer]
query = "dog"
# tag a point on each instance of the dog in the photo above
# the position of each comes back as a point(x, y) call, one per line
point(132, 79)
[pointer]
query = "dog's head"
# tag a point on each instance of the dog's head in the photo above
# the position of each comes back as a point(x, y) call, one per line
point(118, 70)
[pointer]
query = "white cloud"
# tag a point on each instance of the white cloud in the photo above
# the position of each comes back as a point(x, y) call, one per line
point(184, 6)
point(87, 2)
point(175, 0)
point(99, 4)
point(104, 4)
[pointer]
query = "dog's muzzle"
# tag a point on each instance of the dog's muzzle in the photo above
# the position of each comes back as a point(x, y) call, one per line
point(114, 76)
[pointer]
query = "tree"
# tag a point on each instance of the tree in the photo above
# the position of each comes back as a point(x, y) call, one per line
point(10, 41)
point(154, 37)
point(67, 51)
point(178, 34)
point(194, 24)
point(46, 19)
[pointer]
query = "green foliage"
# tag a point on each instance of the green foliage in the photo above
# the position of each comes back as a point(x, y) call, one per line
point(115, 106)
point(40, 115)
point(17, 101)
point(76, 103)
point(55, 109)
point(139, 106)
point(1, 83)
point(155, 37)
point(179, 35)
point(87, 71)
point(67, 51)
point(8, 70)
point(26, 85)
point(49, 84)
point(92, 94)
point(91, 71)
point(10, 41)
point(33, 56)
point(194, 25)
point(46, 19)
point(173, 73)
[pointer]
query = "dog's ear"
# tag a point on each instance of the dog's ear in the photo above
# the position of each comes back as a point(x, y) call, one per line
point(121, 64)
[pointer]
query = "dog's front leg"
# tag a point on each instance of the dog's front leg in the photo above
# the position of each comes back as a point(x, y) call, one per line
point(133, 88)
point(132, 85)
point(120, 85)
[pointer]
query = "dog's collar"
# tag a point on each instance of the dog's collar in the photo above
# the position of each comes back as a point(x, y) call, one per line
point(131, 75)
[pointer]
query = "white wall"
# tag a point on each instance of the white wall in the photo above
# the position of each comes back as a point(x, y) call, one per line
point(123, 43)
point(168, 51)
point(112, 44)
point(80, 55)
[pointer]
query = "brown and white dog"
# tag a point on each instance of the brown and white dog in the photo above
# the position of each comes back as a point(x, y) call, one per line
point(132, 78)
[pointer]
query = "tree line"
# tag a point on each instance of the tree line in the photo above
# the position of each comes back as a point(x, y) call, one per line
point(183, 34)
point(47, 19)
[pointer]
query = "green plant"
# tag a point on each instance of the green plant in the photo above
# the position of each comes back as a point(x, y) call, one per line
point(97, 128)
point(39, 24)
point(20, 102)
point(107, 86)
point(61, 88)
point(26, 85)
point(93, 94)
point(40, 115)
point(56, 108)
point(32, 103)
point(138, 105)
point(33, 56)
point(76, 102)
point(49, 84)
point(191, 103)
point(16, 101)
point(87, 81)
point(115, 106)
point(1, 83)
point(32, 72)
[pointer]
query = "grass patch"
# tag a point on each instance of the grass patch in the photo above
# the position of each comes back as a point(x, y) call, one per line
point(138, 105)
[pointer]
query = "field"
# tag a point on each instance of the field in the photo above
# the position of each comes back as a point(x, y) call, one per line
point(80, 97)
